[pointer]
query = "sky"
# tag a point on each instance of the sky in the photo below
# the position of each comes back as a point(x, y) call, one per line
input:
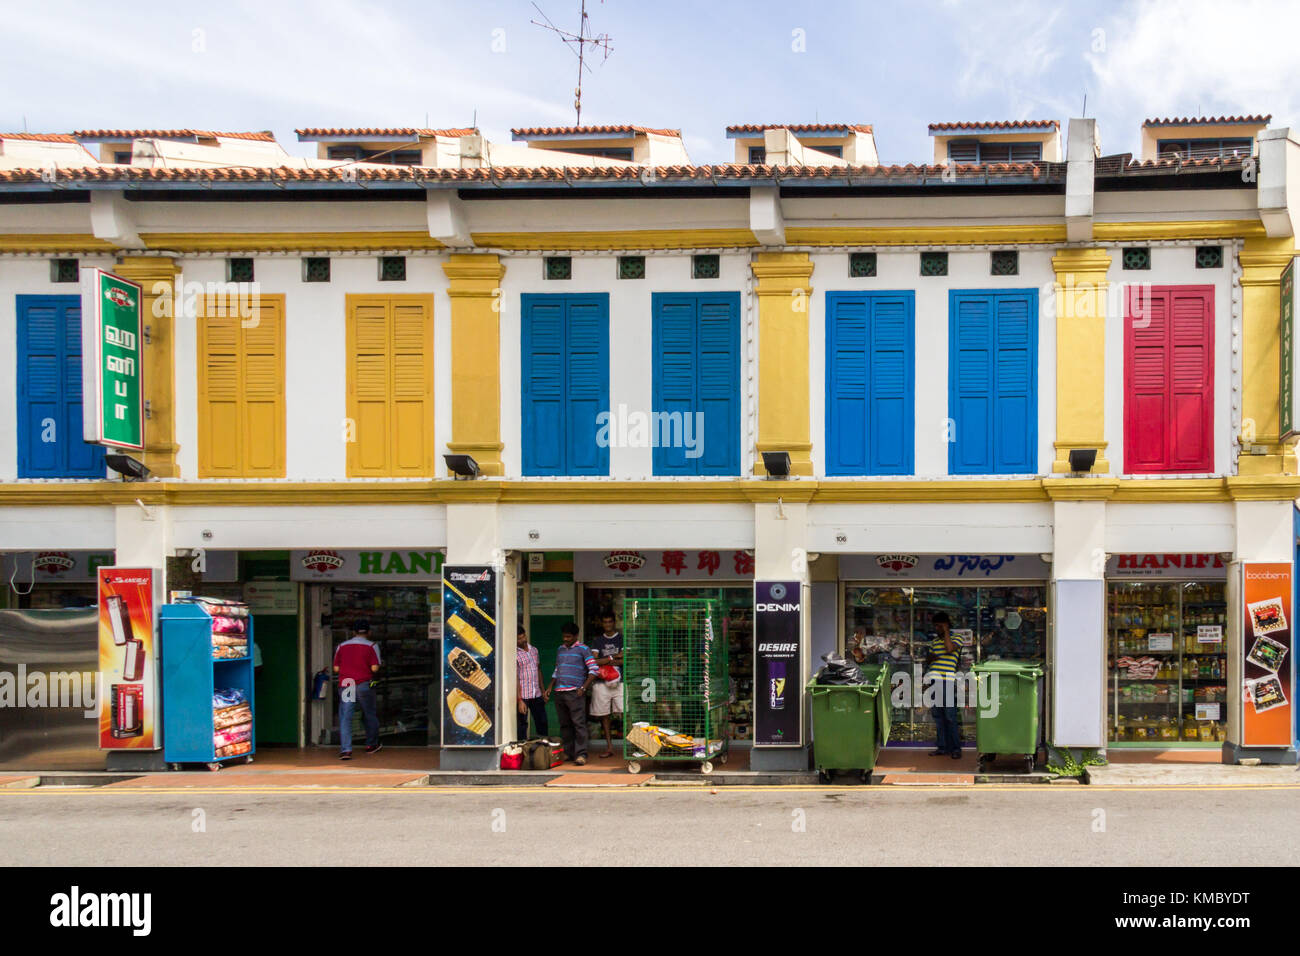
point(682, 64)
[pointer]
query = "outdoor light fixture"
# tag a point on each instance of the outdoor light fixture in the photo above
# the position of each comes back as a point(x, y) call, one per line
point(777, 464)
point(127, 467)
point(1082, 459)
point(462, 466)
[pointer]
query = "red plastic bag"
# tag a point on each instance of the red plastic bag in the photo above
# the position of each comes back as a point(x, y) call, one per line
point(512, 758)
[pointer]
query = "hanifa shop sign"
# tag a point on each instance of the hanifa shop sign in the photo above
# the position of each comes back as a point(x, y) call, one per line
point(397, 566)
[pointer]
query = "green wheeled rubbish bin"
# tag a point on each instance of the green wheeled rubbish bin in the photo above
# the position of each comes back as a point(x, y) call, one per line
point(850, 723)
point(1009, 724)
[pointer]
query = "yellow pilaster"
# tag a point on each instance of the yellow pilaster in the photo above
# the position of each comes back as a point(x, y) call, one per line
point(1262, 452)
point(156, 277)
point(1080, 355)
point(475, 294)
point(783, 292)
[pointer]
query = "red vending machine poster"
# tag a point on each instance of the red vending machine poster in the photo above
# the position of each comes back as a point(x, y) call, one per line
point(1268, 667)
point(128, 686)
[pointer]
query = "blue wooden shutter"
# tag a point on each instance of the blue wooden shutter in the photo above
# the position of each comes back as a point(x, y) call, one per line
point(1015, 426)
point(970, 382)
point(718, 393)
point(49, 391)
point(543, 360)
point(674, 376)
point(587, 393)
point(993, 377)
point(870, 390)
point(696, 369)
point(892, 395)
point(846, 384)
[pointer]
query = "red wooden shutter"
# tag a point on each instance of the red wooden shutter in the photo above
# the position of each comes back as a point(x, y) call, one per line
point(1169, 379)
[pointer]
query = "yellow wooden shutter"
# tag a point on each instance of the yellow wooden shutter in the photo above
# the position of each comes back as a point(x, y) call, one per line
point(390, 385)
point(263, 393)
point(412, 414)
point(241, 392)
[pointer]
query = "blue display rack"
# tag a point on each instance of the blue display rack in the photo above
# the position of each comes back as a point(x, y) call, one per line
point(189, 678)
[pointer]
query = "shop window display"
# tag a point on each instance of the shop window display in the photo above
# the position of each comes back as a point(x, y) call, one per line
point(738, 621)
point(1168, 663)
point(400, 620)
point(1006, 622)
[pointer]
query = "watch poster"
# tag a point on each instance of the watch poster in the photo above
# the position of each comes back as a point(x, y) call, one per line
point(1267, 666)
point(469, 656)
point(778, 664)
point(128, 673)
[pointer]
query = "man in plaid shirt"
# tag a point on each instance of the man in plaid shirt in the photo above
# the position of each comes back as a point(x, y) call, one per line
point(529, 671)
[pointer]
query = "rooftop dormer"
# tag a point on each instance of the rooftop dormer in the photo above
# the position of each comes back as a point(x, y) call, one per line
point(390, 146)
point(1208, 137)
point(116, 145)
point(804, 144)
point(639, 145)
point(1009, 141)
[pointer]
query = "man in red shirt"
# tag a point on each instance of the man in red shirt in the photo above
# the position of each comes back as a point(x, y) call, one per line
point(356, 661)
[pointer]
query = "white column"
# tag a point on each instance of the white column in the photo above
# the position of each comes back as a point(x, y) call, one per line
point(781, 554)
point(143, 537)
point(474, 538)
point(1077, 657)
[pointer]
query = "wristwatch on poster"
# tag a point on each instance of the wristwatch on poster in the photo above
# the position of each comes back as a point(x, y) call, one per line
point(469, 635)
point(468, 669)
point(466, 712)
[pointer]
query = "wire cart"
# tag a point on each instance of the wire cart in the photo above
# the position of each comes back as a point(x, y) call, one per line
point(676, 689)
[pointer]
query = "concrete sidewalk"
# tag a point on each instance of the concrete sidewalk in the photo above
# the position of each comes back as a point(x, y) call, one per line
point(319, 768)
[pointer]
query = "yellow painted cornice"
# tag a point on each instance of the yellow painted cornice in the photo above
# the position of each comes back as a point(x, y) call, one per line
point(1263, 487)
point(288, 241)
point(621, 239)
point(1082, 261)
point(54, 242)
point(1177, 229)
point(742, 490)
point(469, 271)
point(1008, 234)
point(1080, 489)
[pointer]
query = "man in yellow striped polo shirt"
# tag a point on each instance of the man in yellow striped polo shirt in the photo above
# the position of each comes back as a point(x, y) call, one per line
point(945, 656)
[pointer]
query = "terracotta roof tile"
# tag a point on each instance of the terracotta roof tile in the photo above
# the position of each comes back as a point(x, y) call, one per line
point(1209, 120)
point(999, 125)
point(733, 172)
point(360, 132)
point(40, 137)
point(528, 132)
point(263, 136)
point(799, 127)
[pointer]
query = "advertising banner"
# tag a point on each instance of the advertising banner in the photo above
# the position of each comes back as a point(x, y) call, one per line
point(128, 661)
point(778, 664)
point(112, 361)
point(1268, 668)
point(470, 675)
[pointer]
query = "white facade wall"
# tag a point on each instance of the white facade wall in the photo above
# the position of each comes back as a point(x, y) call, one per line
point(900, 270)
point(630, 339)
point(1176, 265)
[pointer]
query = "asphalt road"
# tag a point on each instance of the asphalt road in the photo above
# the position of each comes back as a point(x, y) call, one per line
point(986, 826)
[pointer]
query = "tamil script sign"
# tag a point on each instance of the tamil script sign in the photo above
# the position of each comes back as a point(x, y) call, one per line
point(112, 361)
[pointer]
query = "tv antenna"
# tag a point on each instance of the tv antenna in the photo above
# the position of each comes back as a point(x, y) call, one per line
point(578, 42)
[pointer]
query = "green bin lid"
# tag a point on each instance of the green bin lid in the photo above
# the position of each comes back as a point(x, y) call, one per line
point(1024, 668)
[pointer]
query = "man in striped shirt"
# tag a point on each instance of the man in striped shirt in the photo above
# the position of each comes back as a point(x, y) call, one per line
point(575, 669)
point(945, 656)
point(529, 673)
